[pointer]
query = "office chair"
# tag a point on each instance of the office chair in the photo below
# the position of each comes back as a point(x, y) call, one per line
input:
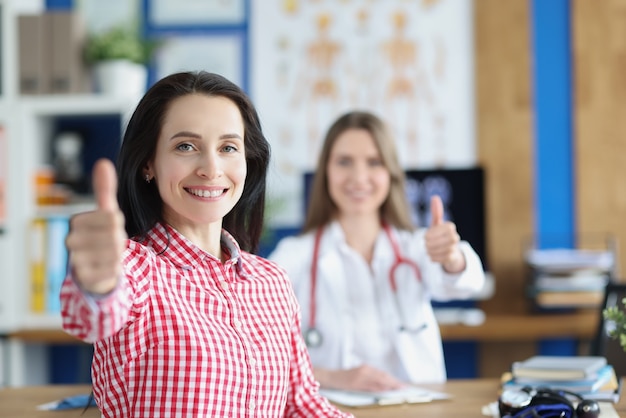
point(602, 344)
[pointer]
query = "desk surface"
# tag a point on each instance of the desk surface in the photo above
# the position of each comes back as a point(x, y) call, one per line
point(468, 398)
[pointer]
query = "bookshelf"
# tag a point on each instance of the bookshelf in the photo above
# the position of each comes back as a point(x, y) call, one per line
point(29, 140)
point(30, 124)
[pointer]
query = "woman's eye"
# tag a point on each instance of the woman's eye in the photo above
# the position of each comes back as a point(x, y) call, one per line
point(229, 148)
point(376, 163)
point(184, 147)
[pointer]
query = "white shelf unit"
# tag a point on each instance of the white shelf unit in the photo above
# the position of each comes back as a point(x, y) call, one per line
point(29, 143)
point(29, 123)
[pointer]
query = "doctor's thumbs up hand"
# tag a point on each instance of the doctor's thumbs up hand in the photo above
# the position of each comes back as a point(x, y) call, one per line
point(97, 239)
point(442, 240)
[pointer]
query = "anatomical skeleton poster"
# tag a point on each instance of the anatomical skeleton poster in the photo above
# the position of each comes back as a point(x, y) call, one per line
point(409, 61)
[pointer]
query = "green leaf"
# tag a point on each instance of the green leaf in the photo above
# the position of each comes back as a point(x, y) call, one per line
point(119, 42)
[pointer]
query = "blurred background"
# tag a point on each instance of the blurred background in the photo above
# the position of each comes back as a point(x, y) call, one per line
point(511, 110)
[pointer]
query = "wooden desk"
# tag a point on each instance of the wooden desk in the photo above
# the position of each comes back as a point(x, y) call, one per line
point(469, 396)
point(22, 402)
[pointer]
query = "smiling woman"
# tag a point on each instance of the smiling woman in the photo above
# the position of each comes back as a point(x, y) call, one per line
point(199, 166)
point(181, 314)
point(364, 274)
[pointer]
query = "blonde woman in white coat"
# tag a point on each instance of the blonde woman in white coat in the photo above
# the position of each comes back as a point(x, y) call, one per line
point(363, 335)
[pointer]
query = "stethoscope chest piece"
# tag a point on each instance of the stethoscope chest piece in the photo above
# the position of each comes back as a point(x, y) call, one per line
point(313, 338)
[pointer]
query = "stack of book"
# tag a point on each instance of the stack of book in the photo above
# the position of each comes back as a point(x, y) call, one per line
point(568, 278)
point(589, 376)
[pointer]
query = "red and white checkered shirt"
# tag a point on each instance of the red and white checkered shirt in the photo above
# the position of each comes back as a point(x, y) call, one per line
point(185, 335)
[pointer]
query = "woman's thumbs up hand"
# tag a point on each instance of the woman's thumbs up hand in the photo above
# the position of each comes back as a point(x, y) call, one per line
point(442, 240)
point(97, 239)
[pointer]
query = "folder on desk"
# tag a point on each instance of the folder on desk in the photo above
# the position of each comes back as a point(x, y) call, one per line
point(409, 394)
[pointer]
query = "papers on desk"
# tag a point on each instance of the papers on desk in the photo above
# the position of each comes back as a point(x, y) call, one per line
point(71, 402)
point(409, 394)
point(607, 410)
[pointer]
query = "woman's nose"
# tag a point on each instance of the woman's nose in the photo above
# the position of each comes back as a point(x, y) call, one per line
point(359, 172)
point(209, 166)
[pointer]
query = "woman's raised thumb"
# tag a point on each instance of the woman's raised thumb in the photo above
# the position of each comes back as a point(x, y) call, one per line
point(104, 180)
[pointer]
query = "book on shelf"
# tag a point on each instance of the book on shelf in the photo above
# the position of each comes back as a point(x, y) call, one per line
point(609, 392)
point(580, 280)
point(38, 265)
point(48, 262)
point(57, 228)
point(408, 394)
point(567, 298)
point(565, 259)
point(558, 367)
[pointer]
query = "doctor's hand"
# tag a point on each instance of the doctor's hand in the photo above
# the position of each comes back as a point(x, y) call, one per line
point(362, 378)
point(442, 240)
point(97, 239)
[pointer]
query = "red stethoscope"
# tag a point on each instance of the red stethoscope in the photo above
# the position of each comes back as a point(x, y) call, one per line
point(312, 336)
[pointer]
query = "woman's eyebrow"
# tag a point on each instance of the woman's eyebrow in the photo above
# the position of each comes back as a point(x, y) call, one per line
point(189, 134)
point(231, 136)
point(185, 134)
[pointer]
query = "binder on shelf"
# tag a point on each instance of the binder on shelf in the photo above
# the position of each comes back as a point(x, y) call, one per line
point(38, 265)
point(56, 261)
point(34, 54)
point(68, 72)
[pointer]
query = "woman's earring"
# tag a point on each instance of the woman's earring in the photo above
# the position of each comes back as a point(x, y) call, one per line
point(147, 177)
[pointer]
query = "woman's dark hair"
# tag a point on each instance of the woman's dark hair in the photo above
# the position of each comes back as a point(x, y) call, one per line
point(140, 201)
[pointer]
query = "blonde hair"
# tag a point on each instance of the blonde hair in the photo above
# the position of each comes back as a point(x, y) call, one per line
point(395, 208)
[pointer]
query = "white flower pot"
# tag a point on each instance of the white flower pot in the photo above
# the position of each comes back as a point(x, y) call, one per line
point(120, 78)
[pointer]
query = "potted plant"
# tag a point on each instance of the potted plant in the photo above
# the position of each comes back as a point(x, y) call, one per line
point(618, 317)
point(119, 58)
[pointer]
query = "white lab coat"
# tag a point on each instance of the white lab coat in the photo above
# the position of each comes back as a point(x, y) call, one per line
point(355, 309)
